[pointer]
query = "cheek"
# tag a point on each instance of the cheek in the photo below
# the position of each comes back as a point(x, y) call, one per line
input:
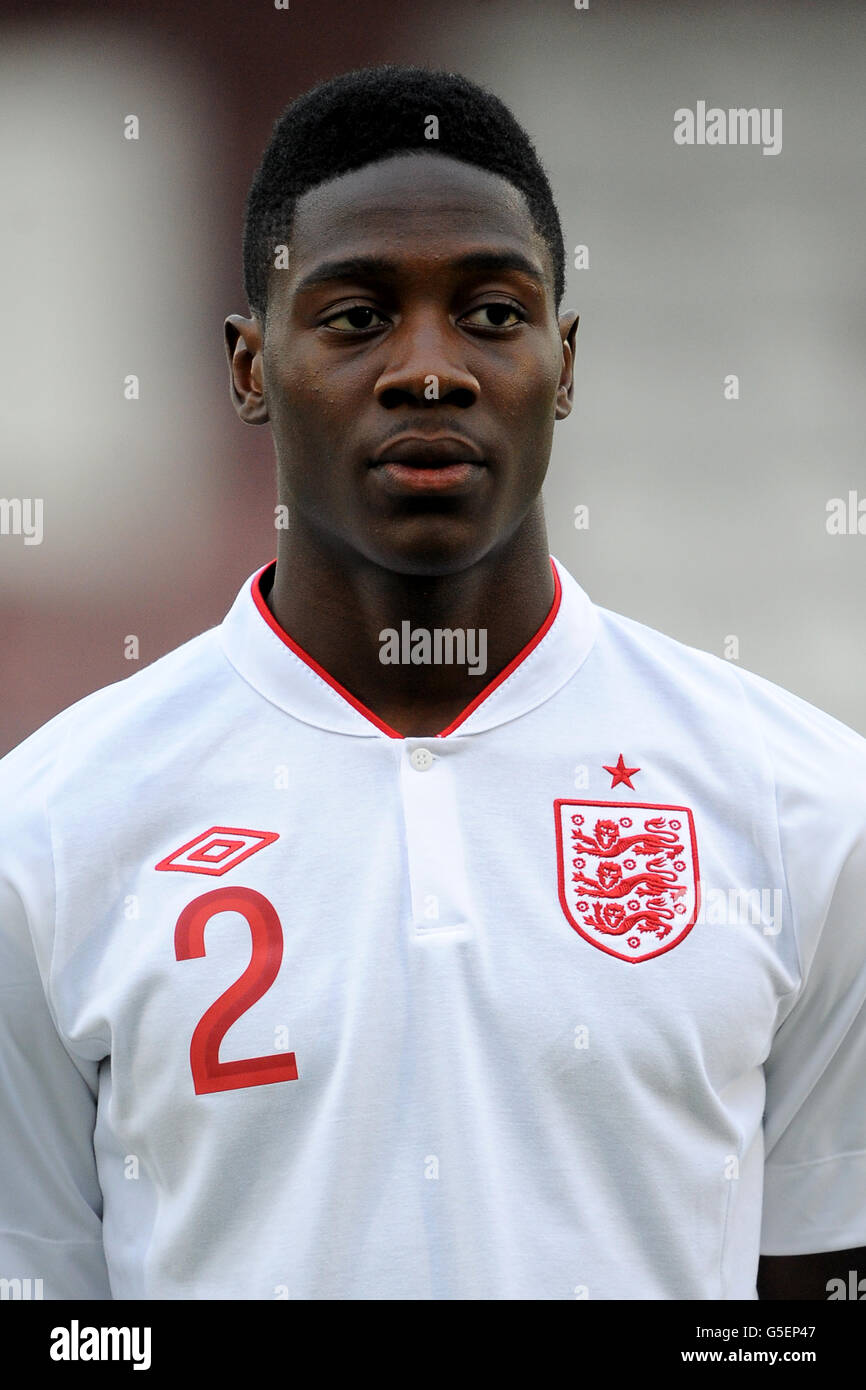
point(531, 404)
point(301, 410)
point(529, 395)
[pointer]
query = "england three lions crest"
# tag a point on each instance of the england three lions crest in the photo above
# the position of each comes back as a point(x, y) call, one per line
point(629, 881)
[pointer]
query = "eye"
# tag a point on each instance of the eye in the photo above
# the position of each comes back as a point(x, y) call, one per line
point(499, 315)
point(356, 319)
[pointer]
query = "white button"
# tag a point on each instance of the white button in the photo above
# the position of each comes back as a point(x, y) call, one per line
point(421, 759)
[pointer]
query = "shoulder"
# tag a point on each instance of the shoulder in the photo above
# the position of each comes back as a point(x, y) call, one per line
point(803, 744)
point(761, 746)
point(129, 720)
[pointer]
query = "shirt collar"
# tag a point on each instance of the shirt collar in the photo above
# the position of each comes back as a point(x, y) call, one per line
point(280, 670)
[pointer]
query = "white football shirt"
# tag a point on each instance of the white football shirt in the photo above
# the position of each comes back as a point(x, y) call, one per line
point(566, 1001)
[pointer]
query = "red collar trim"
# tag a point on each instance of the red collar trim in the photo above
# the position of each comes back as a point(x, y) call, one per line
point(341, 690)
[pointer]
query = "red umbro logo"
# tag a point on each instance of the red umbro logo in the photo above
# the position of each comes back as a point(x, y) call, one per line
point(217, 850)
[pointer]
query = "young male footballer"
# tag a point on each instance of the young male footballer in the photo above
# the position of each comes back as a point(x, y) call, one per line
point(339, 965)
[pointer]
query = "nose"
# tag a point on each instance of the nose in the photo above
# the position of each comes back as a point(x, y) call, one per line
point(425, 363)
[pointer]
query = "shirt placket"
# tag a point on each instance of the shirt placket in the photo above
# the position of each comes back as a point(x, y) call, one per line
point(438, 881)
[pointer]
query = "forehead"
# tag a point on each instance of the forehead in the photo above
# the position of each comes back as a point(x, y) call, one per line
point(424, 204)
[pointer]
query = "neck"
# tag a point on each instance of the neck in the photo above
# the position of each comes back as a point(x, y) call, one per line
point(336, 604)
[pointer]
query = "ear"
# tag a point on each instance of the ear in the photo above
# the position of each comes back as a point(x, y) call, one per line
point(565, 391)
point(244, 339)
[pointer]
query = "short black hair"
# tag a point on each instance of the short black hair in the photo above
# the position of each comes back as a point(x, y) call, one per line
point(367, 115)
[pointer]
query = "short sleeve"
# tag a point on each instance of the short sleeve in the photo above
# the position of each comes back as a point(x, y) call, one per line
point(815, 1110)
point(50, 1199)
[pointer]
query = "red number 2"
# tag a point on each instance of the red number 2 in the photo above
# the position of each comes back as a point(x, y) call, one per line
point(208, 1072)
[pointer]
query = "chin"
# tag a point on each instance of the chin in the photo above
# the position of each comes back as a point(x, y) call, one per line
point(431, 556)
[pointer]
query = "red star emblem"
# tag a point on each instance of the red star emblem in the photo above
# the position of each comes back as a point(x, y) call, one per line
point(621, 773)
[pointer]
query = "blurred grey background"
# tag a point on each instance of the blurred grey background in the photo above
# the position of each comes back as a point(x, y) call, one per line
point(707, 516)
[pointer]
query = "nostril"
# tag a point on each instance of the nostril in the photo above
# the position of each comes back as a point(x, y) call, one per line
point(392, 396)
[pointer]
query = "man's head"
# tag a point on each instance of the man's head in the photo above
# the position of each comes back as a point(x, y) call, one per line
point(412, 319)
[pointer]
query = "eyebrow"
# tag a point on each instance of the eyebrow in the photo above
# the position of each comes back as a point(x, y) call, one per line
point(379, 267)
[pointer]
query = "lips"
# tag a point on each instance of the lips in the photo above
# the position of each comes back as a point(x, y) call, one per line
point(428, 450)
point(416, 463)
